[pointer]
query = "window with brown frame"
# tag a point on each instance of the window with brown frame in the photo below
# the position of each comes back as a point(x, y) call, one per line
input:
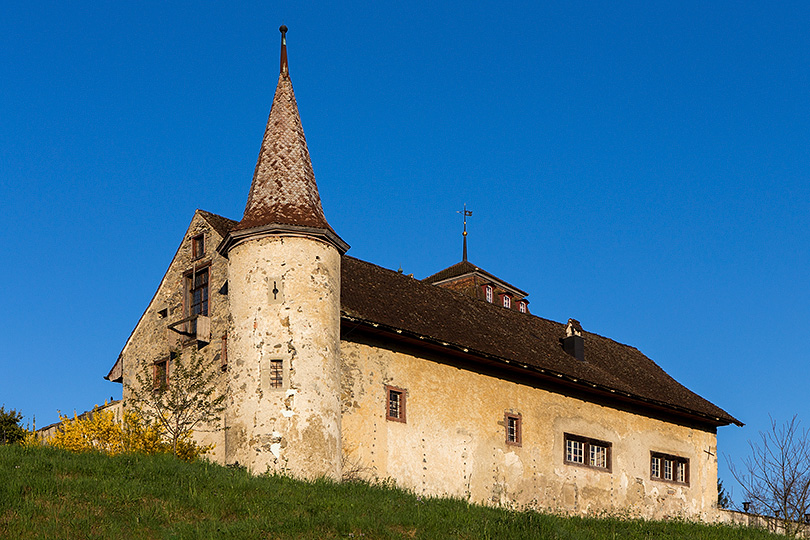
point(394, 404)
point(669, 468)
point(198, 247)
point(514, 429)
point(588, 452)
point(161, 374)
point(197, 295)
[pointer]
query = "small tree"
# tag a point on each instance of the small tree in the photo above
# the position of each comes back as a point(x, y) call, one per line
point(186, 396)
point(775, 478)
point(10, 429)
point(723, 498)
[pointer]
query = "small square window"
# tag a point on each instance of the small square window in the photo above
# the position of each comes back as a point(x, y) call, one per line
point(587, 452)
point(395, 404)
point(276, 373)
point(514, 429)
point(198, 247)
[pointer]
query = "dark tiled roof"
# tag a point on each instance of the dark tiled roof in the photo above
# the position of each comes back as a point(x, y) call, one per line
point(284, 190)
point(220, 224)
point(466, 267)
point(374, 295)
point(458, 269)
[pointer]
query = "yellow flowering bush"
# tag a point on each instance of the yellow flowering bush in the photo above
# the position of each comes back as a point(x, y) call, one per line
point(101, 431)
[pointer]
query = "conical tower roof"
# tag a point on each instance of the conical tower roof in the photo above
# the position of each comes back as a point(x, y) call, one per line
point(284, 192)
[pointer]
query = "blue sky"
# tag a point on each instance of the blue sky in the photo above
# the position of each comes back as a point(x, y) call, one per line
point(642, 168)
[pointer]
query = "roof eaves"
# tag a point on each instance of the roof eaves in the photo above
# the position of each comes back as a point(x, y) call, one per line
point(584, 384)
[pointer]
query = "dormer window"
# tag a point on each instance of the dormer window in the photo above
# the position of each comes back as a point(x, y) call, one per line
point(522, 306)
point(507, 301)
point(488, 292)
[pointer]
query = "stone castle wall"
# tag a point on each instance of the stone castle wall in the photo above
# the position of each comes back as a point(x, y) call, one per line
point(152, 340)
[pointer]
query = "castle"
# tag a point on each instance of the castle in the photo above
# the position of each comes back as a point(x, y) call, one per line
point(334, 366)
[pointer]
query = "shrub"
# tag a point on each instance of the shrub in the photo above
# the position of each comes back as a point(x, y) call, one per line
point(10, 429)
point(100, 431)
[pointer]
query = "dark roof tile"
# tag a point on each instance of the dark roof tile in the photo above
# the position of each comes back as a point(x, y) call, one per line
point(375, 295)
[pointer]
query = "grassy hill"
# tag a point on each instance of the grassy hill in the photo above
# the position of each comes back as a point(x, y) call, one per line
point(47, 493)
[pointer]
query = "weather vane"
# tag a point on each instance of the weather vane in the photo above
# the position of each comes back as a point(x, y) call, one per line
point(465, 213)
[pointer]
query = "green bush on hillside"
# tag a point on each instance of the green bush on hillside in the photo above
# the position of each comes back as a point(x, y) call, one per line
point(10, 429)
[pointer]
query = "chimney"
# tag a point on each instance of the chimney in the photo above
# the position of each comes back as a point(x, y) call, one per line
point(573, 343)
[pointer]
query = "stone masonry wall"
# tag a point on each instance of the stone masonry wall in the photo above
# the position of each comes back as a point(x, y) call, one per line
point(152, 341)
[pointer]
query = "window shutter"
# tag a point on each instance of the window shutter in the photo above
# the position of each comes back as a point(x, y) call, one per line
point(203, 329)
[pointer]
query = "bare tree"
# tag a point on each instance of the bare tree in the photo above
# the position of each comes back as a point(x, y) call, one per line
point(181, 396)
point(775, 478)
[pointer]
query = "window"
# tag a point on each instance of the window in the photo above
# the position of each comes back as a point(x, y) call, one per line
point(522, 306)
point(507, 302)
point(395, 404)
point(161, 374)
point(669, 468)
point(514, 429)
point(276, 373)
point(272, 374)
point(198, 247)
point(598, 456)
point(199, 293)
point(587, 452)
point(197, 299)
point(574, 451)
point(489, 293)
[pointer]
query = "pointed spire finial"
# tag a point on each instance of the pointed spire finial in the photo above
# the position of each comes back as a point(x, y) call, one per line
point(284, 69)
point(283, 196)
point(465, 213)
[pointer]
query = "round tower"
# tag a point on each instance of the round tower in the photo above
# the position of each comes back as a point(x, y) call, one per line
point(284, 290)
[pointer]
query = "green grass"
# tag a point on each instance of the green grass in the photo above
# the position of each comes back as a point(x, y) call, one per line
point(48, 493)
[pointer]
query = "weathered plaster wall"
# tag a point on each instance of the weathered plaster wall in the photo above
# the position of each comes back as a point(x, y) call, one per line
point(295, 428)
point(150, 341)
point(454, 441)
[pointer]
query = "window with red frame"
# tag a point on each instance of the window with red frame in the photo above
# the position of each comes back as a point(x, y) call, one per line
point(514, 429)
point(394, 404)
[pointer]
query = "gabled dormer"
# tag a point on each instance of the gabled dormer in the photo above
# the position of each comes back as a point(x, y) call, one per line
point(471, 280)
